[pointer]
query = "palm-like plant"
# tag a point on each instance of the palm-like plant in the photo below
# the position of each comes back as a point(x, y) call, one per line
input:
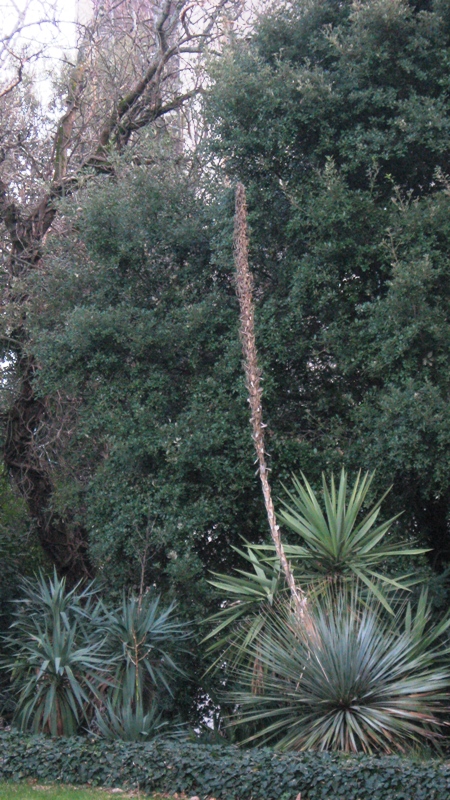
point(249, 594)
point(356, 679)
point(49, 599)
point(339, 540)
point(339, 543)
point(56, 660)
point(130, 722)
point(140, 638)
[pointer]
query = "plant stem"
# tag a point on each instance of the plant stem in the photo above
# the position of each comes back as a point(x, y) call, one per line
point(244, 290)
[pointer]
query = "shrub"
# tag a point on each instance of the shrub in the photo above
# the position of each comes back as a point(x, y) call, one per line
point(225, 773)
point(140, 635)
point(55, 657)
point(347, 677)
point(69, 656)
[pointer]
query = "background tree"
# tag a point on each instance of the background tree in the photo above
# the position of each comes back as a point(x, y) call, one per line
point(336, 118)
point(121, 81)
point(138, 321)
point(134, 324)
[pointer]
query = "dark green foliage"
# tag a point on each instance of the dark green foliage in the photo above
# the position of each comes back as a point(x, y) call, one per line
point(140, 328)
point(19, 556)
point(135, 327)
point(222, 772)
point(336, 116)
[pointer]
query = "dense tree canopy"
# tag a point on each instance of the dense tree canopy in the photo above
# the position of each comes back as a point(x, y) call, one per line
point(336, 117)
point(137, 325)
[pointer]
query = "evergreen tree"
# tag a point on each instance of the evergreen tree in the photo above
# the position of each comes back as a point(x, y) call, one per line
point(336, 117)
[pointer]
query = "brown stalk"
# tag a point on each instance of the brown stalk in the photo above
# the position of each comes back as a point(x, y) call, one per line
point(244, 290)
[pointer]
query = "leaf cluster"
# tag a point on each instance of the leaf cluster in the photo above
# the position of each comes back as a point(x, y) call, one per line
point(347, 677)
point(336, 119)
point(71, 658)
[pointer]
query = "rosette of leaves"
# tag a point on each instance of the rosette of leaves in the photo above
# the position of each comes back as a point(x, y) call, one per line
point(56, 656)
point(353, 679)
point(142, 638)
point(343, 542)
point(130, 722)
point(341, 539)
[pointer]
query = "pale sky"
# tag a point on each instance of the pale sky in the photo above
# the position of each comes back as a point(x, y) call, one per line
point(46, 27)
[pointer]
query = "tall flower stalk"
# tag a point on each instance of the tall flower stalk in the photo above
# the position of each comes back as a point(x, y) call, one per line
point(244, 290)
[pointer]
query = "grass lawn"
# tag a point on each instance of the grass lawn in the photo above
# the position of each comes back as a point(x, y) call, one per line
point(37, 791)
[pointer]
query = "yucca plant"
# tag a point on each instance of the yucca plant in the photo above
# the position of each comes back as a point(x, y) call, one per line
point(340, 542)
point(356, 679)
point(340, 539)
point(130, 722)
point(141, 637)
point(56, 660)
point(248, 595)
point(49, 599)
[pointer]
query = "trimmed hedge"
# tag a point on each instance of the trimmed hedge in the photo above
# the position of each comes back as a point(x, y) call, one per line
point(225, 773)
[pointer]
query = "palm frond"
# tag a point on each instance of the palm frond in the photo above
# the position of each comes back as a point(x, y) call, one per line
point(248, 594)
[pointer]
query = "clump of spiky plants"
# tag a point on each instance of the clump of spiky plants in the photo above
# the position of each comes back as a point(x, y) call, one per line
point(130, 721)
point(356, 679)
point(55, 656)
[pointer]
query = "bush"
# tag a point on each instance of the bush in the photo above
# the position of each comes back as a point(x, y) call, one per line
point(55, 656)
point(225, 773)
point(348, 677)
point(69, 656)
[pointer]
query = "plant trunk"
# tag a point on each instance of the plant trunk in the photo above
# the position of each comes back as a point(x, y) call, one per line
point(64, 541)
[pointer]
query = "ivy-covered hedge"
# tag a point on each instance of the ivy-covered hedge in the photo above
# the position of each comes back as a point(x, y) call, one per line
point(225, 773)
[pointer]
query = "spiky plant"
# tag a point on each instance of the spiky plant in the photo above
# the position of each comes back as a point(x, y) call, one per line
point(55, 657)
point(141, 638)
point(357, 679)
point(131, 723)
point(340, 539)
point(341, 542)
point(248, 595)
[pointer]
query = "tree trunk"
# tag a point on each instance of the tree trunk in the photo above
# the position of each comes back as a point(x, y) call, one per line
point(63, 542)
